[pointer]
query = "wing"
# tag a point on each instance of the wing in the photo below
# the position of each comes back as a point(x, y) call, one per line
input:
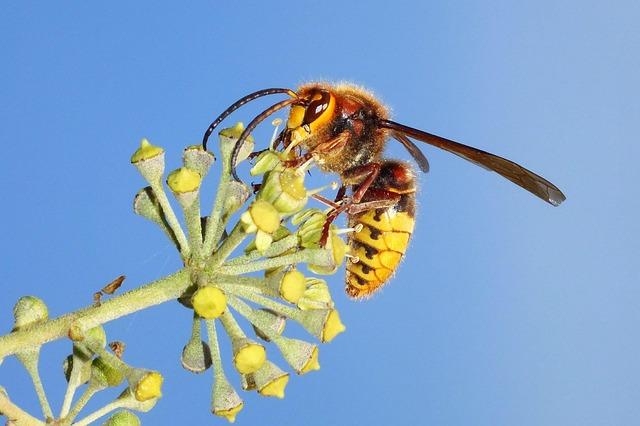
point(517, 174)
point(415, 152)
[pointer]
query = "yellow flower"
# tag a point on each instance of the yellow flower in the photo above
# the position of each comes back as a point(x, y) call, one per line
point(230, 413)
point(146, 152)
point(229, 137)
point(292, 286)
point(284, 188)
point(149, 386)
point(263, 219)
point(249, 356)
point(271, 380)
point(312, 363)
point(209, 302)
point(184, 180)
point(332, 326)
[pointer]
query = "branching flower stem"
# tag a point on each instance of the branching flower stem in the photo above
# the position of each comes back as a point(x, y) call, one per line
point(160, 291)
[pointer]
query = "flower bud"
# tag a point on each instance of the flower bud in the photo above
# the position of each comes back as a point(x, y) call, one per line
point(273, 322)
point(325, 324)
point(145, 384)
point(71, 362)
point(127, 400)
point(104, 374)
point(149, 160)
point(316, 295)
point(123, 418)
point(248, 355)
point(29, 310)
point(209, 302)
point(196, 356)
point(270, 380)
point(235, 194)
point(225, 402)
point(266, 161)
point(228, 139)
point(301, 356)
point(262, 216)
point(292, 286)
point(284, 188)
point(184, 180)
point(93, 338)
point(196, 158)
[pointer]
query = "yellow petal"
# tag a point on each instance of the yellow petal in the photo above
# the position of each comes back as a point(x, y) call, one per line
point(250, 358)
point(146, 151)
point(275, 387)
point(149, 387)
point(332, 327)
point(209, 302)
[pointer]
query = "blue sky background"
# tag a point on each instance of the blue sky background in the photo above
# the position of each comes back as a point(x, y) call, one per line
point(507, 311)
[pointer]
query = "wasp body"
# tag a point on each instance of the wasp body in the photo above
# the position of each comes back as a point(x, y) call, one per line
point(344, 129)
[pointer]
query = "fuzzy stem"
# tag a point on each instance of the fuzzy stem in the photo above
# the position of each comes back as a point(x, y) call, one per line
point(14, 414)
point(275, 249)
point(82, 401)
point(171, 218)
point(160, 291)
point(215, 222)
point(72, 386)
point(231, 326)
point(194, 226)
point(234, 239)
point(315, 256)
point(216, 360)
point(101, 412)
point(246, 293)
point(29, 359)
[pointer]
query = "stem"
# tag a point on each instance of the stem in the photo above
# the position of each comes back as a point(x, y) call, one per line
point(218, 373)
point(194, 226)
point(287, 311)
point(101, 412)
point(72, 386)
point(276, 249)
point(82, 401)
point(234, 239)
point(15, 414)
point(160, 291)
point(320, 257)
point(29, 359)
point(214, 224)
point(171, 218)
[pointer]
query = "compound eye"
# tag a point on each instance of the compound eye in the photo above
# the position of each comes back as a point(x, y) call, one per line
point(317, 106)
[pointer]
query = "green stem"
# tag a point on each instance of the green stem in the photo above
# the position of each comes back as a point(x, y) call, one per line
point(14, 414)
point(216, 360)
point(194, 226)
point(160, 291)
point(214, 223)
point(234, 239)
point(29, 359)
point(72, 386)
point(82, 401)
point(171, 218)
point(318, 257)
point(101, 412)
point(276, 249)
point(287, 311)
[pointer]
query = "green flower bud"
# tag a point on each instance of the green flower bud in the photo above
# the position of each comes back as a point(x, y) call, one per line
point(284, 188)
point(225, 400)
point(271, 380)
point(29, 310)
point(228, 139)
point(196, 356)
point(104, 374)
point(266, 161)
point(196, 158)
point(301, 356)
point(272, 322)
point(123, 418)
point(316, 295)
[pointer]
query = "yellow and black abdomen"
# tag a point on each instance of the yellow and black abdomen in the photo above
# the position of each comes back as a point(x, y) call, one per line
point(385, 234)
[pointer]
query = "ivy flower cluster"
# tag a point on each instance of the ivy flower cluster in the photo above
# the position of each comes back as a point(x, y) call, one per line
point(280, 234)
point(250, 267)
